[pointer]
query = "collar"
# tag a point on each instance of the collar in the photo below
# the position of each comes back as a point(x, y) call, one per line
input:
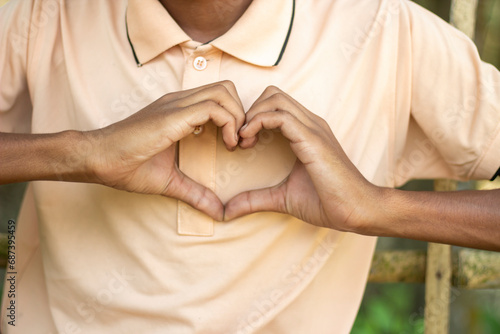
point(259, 37)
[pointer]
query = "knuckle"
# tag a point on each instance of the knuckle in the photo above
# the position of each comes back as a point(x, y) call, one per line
point(279, 98)
point(230, 122)
point(323, 123)
point(227, 83)
point(173, 95)
point(286, 115)
point(319, 120)
point(220, 88)
point(259, 117)
point(167, 97)
point(206, 106)
point(210, 103)
point(272, 89)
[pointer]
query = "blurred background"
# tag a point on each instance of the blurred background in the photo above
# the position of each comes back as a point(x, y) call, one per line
point(395, 308)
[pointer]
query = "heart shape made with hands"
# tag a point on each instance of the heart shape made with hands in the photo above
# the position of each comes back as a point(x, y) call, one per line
point(272, 110)
point(262, 161)
point(309, 188)
point(321, 175)
point(284, 187)
point(322, 187)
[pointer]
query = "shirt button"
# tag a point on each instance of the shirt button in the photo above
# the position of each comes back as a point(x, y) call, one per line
point(198, 130)
point(200, 63)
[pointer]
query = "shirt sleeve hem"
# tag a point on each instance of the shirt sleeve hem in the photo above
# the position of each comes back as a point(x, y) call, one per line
point(489, 163)
point(496, 174)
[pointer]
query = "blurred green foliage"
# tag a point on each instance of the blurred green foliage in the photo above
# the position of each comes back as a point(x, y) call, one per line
point(390, 309)
point(489, 322)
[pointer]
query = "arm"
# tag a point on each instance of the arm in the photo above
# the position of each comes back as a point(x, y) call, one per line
point(325, 188)
point(27, 157)
point(464, 218)
point(137, 154)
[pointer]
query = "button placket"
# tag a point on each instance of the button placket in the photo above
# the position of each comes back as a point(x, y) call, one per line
point(197, 151)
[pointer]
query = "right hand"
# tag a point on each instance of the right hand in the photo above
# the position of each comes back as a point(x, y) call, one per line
point(324, 188)
point(138, 154)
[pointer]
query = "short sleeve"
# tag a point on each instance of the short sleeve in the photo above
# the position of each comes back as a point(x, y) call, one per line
point(16, 31)
point(449, 100)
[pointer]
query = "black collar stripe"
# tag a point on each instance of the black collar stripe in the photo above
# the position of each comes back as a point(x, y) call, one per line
point(287, 36)
point(275, 64)
point(131, 45)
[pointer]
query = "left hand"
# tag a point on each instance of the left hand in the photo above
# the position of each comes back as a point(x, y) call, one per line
point(324, 188)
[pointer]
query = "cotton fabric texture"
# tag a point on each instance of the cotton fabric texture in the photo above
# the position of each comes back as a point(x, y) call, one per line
point(405, 94)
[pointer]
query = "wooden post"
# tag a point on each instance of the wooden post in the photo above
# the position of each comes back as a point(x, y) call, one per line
point(439, 266)
point(438, 279)
point(463, 16)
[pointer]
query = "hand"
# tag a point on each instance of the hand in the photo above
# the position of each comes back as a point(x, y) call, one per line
point(324, 187)
point(138, 154)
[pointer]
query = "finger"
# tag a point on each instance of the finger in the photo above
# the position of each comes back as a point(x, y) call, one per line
point(223, 93)
point(287, 123)
point(267, 199)
point(165, 122)
point(308, 146)
point(199, 197)
point(306, 143)
point(176, 125)
point(229, 85)
point(274, 99)
point(246, 143)
point(207, 110)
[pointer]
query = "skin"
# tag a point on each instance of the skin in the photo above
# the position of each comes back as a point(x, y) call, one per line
point(144, 162)
point(205, 20)
point(324, 188)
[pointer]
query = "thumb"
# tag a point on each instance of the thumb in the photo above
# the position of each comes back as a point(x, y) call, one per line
point(199, 197)
point(248, 202)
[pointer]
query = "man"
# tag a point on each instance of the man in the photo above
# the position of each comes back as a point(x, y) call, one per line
point(213, 83)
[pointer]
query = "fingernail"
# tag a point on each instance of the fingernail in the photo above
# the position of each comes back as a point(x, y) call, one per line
point(244, 127)
point(236, 137)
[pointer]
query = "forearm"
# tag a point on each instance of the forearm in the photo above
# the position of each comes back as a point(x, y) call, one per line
point(58, 156)
point(464, 218)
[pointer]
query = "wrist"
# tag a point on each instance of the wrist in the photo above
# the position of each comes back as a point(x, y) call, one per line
point(378, 212)
point(92, 153)
point(74, 158)
point(397, 212)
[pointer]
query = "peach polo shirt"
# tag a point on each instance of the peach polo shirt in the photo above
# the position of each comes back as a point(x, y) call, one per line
point(405, 94)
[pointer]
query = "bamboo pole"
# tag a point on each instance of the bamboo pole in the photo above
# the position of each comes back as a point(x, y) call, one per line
point(439, 265)
point(437, 289)
point(438, 279)
point(463, 16)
